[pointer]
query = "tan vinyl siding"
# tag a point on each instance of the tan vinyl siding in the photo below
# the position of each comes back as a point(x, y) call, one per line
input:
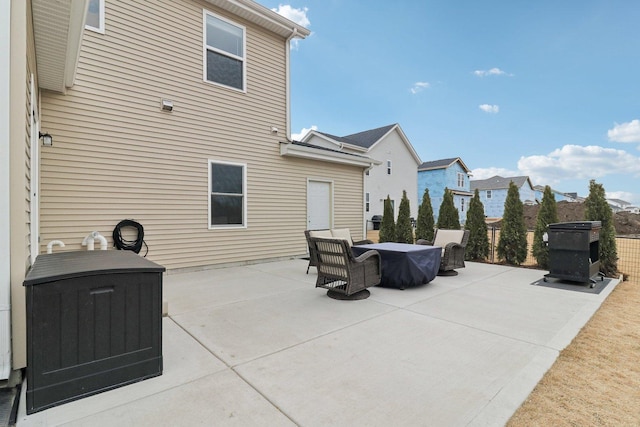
point(116, 155)
point(23, 64)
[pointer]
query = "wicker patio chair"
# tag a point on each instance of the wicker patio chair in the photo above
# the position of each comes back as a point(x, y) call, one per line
point(345, 276)
point(329, 234)
point(453, 243)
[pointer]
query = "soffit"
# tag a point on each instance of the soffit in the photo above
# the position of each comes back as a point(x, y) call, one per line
point(57, 28)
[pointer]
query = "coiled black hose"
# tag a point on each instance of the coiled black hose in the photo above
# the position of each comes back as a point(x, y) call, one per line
point(129, 245)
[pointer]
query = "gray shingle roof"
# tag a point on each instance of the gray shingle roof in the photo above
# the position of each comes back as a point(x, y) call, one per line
point(363, 139)
point(437, 164)
point(498, 182)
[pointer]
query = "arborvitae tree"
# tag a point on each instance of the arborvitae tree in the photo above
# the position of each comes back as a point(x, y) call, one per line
point(597, 209)
point(424, 227)
point(547, 214)
point(478, 245)
point(448, 218)
point(404, 229)
point(388, 226)
point(512, 245)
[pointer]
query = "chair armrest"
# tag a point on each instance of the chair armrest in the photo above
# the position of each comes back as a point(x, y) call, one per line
point(367, 255)
point(452, 246)
point(424, 242)
point(363, 242)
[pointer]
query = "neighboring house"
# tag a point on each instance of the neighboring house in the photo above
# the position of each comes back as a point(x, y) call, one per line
point(446, 173)
point(174, 114)
point(493, 192)
point(557, 195)
point(396, 171)
point(618, 205)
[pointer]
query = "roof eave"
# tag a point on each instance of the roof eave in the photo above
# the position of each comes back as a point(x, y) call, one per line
point(299, 151)
point(58, 27)
point(354, 147)
point(266, 18)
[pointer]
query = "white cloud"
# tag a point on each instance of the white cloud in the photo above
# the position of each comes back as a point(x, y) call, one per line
point(491, 72)
point(299, 16)
point(303, 133)
point(578, 162)
point(491, 109)
point(419, 87)
point(625, 132)
point(620, 195)
point(484, 173)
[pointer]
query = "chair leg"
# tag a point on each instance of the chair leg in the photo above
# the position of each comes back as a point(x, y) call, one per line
point(308, 268)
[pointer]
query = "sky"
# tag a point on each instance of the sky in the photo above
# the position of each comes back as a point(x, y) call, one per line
point(548, 89)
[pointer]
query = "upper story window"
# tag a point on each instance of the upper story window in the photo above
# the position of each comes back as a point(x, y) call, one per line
point(95, 16)
point(388, 167)
point(460, 179)
point(366, 202)
point(227, 190)
point(488, 194)
point(224, 52)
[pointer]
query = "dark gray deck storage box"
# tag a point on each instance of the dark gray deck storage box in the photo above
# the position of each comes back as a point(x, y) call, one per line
point(573, 250)
point(94, 322)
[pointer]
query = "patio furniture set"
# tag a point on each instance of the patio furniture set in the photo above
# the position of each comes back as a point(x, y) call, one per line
point(347, 268)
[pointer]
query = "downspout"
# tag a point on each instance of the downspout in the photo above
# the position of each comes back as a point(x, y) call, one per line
point(287, 59)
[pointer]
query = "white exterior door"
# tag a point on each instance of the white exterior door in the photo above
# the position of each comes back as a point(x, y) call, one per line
point(319, 205)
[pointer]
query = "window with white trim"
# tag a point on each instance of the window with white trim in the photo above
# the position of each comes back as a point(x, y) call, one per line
point(224, 52)
point(460, 179)
point(488, 194)
point(388, 167)
point(227, 194)
point(461, 205)
point(95, 16)
point(366, 204)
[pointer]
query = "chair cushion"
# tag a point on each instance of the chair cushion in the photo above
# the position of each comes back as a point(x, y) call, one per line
point(448, 236)
point(325, 234)
point(342, 233)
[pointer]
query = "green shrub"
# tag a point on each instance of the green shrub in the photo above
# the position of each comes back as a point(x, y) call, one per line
point(597, 209)
point(388, 226)
point(547, 214)
point(512, 245)
point(404, 229)
point(448, 218)
point(478, 245)
point(425, 222)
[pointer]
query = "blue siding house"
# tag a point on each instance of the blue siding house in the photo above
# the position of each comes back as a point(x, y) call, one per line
point(445, 173)
point(559, 196)
point(493, 193)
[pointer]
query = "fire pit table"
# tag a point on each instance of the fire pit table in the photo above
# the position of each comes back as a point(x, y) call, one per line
point(404, 265)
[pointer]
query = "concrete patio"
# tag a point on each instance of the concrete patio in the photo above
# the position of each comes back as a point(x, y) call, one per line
point(259, 345)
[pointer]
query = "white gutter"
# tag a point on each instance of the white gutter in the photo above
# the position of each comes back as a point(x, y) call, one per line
point(77, 17)
point(304, 152)
point(5, 199)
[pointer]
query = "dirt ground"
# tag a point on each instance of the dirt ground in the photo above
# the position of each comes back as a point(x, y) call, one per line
point(626, 223)
point(595, 381)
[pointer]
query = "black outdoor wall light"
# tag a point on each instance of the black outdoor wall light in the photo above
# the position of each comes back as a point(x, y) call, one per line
point(47, 139)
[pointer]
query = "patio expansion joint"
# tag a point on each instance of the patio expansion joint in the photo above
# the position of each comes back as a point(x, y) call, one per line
point(466, 325)
point(233, 369)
